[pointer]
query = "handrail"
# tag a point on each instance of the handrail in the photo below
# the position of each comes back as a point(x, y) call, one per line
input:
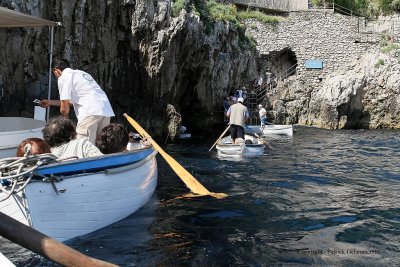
point(346, 11)
point(287, 72)
point(262, 91)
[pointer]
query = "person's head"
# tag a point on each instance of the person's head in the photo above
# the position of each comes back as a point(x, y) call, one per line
point(260, 106)
point(33, 146)
point(240, 100)
point(59, 66)
point(112, 139)
point(58, 131)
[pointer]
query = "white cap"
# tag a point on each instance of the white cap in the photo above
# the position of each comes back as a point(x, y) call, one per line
point(259, 106)
point(240, 99)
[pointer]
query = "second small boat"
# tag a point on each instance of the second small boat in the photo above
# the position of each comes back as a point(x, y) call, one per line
point(251, 147)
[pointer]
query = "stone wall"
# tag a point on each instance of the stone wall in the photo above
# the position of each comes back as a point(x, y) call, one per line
point(312, 34)
point(357, 86)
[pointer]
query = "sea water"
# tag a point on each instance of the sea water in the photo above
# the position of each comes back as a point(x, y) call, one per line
point(322, 198)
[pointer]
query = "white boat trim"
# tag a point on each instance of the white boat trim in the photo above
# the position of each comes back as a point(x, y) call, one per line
point(226, 148)
point(270, 129)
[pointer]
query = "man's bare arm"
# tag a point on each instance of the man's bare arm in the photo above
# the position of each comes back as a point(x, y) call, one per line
point(45, 103)
point(64, 108)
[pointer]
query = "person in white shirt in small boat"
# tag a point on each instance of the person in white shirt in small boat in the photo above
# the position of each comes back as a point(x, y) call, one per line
point(90, 102)
point(238, 115)
point(263, 115)
point(60, 134)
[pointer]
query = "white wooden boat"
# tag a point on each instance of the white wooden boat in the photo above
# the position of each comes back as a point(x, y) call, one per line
point(15, 129)
point(226, 148)
point(75, 197)
point(271, 129)
point(5, 262)
point(185, 136)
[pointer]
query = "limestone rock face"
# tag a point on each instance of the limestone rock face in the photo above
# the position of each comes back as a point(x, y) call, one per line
point(366, 96)
point(140, 56)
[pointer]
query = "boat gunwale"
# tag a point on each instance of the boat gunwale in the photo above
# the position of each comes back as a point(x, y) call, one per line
point(96, 164)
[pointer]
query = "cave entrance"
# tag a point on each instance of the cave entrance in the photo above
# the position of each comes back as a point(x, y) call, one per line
point(193, 113)
point(281, 63)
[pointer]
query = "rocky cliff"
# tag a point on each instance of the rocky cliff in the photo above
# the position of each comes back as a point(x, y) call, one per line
point(141, 57)
point(144, 60)
point(363, 95)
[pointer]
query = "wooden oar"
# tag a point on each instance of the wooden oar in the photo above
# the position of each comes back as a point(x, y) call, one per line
point(47, 247)
point(256, 135)
point(264, 141)
point(195, 186)
point(219, 138)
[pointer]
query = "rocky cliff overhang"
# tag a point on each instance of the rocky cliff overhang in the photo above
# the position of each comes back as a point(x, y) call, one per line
point(142, 58)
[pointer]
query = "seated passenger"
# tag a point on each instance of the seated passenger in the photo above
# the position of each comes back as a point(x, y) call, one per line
point(32, 146)
point(60, 134)
point(112, 139)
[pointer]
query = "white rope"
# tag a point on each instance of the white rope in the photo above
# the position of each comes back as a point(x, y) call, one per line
point(14, 171)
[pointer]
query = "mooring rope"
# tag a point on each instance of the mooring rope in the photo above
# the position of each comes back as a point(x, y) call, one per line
point(17, 172)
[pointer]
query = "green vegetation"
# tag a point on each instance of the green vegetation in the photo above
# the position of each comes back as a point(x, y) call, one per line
point(210, 12)
point(250, 14)
point(367, 8)
point(177, 7)
point(380, 62)
point(389, 48)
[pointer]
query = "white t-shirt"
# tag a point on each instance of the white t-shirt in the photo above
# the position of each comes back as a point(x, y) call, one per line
point(238, 114)
point(86, 95)
point(262, 113)
point(80, 148)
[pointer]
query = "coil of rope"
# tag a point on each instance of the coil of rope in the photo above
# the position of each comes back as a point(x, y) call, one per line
point(17, 172)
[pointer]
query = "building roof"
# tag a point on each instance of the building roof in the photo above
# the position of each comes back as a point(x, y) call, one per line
point(11, 18)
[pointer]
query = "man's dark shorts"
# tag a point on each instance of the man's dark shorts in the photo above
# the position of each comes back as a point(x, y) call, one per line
point(237, 131)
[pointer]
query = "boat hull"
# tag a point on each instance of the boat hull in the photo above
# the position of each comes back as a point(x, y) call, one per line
point(83, 202)
point(13, 130)
point(226, 148)
point(273, 129)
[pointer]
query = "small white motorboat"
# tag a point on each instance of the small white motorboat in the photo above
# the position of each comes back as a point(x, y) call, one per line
point(270, 129)
point(65, 199)
point(13, 130)
point(251, 147)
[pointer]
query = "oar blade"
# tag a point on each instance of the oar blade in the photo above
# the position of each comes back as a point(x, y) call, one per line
point(195, 186)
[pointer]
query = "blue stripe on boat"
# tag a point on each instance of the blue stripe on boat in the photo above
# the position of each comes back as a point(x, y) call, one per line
point(95, 164)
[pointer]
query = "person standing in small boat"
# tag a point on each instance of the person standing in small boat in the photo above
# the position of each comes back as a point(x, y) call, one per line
point(263, 115)
point(91, 105)
point(238, 115)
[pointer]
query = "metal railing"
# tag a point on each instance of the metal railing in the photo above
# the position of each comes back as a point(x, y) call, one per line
point(262, 91)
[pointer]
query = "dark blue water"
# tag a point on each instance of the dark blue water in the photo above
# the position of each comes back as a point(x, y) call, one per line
point(323, 198)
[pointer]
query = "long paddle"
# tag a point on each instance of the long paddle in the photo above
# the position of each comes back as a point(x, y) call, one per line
point(262, 139)
point(195, 186)
point(219, 138)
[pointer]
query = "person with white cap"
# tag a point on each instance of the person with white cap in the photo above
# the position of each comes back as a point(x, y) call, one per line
point(263, 115)
point(238, 115)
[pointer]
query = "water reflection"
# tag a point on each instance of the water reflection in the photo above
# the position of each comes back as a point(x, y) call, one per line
point(323, 198)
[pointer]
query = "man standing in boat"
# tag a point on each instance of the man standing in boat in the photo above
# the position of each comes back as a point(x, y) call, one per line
point(238, 115)
point(91, 105)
